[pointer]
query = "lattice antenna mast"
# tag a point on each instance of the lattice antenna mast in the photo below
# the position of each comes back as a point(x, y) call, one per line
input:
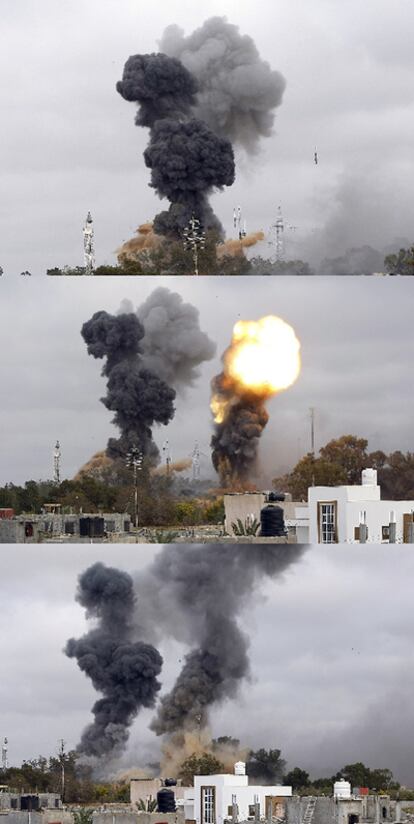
point(194, 239)
point(89, 245)
point(195, 462)
point(56, 463)
point(167, 455)
point(239, 223)
point(279, 230)
point(4, 759)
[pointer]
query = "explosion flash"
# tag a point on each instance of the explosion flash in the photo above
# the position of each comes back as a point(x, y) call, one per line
point(262, 360)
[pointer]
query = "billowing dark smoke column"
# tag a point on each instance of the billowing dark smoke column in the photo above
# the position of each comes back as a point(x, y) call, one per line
point(236, 435)
point(196, 595)
point(187, 160)
point(148, 355)
point(138, 396)
point(123, 670)
point(199, 96)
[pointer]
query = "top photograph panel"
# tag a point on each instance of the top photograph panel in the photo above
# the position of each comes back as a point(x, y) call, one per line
point(222, 139)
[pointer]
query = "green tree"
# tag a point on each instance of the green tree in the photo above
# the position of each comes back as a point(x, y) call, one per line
point(401, 263)
point(83, 816)
point(297, 779)
point(265, 766)
point(204, 764)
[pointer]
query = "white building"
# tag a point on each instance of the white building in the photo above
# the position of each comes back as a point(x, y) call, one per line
point(214, 798)
point(337, 514)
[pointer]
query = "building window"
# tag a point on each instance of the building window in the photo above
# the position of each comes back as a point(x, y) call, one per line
point(208, 813)
point(385, 533)
point(327, 523)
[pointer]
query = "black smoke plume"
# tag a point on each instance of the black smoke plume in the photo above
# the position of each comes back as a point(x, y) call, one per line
point(187, 161)
point(196, 595)
point(160, 84)
point(138, 396)
point(218, 91)
point(236, 436)
point(123, 670)
point(148, 355)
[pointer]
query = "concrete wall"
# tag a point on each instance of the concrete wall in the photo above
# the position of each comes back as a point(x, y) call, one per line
point(44, 817)
point(108, 817)
point(47, 526)
point(328, 811)
point(245, 505)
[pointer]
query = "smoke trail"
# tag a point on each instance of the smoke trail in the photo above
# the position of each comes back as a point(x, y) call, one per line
point(138, 396)
point(123, 670)
point(263, 359)
point(173, 345)
point(237, 90)
point(196, 594)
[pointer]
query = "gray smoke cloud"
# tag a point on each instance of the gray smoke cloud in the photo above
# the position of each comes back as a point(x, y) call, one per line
point(123, 670)
point(138, 396)
point(148, 355)
point(238, 92)
point(196, 97)
point(173, 345)
point(196, 594)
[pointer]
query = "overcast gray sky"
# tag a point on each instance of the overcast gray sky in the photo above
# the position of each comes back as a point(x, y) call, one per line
point(330, 647)
point(357, 366)
point(69, 144)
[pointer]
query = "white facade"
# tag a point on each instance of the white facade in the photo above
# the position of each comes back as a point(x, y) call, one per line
point(337, 512)
point(211, 799)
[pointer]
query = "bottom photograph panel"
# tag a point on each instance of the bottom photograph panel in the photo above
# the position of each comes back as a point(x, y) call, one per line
point(206, 684)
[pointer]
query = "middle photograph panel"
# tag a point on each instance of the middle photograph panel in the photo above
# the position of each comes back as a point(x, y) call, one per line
point(210, 410)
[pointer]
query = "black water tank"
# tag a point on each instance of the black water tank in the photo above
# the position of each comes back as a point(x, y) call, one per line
point(29, 802)
point(275, 496)
point(170, 782)
point(272, 522)
point(166, 801)
point(91, 527)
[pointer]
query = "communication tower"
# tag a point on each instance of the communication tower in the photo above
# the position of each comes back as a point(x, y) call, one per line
point(239, 223)
point(4, 759)
point(279, 231)
point(195, 462)
point(56, 463)
point(88, 245)
point(167, 455)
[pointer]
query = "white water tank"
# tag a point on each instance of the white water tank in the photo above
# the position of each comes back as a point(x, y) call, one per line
point(369, 477)
point(240, 768)
point(342, 789)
